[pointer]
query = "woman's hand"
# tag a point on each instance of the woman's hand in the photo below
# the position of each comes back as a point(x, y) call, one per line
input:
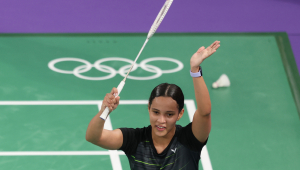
point(110, 101)
point(202, 54)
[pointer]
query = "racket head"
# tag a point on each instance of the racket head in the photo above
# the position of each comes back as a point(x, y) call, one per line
point(162, 13)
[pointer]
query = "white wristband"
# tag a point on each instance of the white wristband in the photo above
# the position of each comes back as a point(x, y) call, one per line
point(198, 74)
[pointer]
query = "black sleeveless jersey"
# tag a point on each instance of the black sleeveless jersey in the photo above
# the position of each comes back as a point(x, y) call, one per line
point(183, 152)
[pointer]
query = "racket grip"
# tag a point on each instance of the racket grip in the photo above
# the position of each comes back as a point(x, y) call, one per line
point(106, 111)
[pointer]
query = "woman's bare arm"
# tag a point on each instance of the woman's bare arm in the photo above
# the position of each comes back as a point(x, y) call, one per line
point(108, 139)
point(201, 125)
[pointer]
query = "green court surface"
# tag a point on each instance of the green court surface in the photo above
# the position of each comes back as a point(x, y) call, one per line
point(47, 97)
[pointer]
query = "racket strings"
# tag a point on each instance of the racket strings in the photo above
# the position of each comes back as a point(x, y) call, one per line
point(162, 15)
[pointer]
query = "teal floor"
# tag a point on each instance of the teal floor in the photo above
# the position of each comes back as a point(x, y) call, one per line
point(255, 122)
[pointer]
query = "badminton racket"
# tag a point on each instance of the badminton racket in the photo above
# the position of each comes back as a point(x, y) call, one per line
point(162, 13)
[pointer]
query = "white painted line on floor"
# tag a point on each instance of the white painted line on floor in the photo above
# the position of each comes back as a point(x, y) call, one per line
point(205, 160)
point(114, 156)
point(56, 153)
point(52, 102)
point(69, 102)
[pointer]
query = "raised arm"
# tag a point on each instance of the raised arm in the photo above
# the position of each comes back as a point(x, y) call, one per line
point(108, 139)
point(202, 118)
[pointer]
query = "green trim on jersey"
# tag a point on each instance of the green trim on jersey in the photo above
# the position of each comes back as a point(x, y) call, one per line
point(145, 162)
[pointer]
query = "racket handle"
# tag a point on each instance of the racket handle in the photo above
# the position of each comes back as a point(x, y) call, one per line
point(106, 111)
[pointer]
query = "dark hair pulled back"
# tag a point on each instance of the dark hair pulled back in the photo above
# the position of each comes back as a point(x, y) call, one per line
point(168, 90)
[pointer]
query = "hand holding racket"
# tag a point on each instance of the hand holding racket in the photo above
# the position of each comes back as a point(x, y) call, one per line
point(110, 101)
point(162, 13)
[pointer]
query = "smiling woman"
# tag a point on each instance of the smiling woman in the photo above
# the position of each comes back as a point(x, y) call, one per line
point(165, 108)
point(163, 144)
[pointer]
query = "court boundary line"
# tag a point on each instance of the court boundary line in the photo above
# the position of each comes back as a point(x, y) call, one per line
point(290, 67)
point(114, 154)
point(56, 153)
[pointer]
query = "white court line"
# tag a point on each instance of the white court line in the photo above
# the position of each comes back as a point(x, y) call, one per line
point(205, 160)
point(69, 102)
point(191, 108)
point(114, 156)
point(56, 153)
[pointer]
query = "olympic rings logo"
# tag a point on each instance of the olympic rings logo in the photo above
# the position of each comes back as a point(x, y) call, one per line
point(87, 66)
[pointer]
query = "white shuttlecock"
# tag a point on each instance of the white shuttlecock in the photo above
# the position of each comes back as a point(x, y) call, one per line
point(223, 81)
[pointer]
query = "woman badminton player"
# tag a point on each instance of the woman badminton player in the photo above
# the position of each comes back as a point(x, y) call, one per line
point(163, 144)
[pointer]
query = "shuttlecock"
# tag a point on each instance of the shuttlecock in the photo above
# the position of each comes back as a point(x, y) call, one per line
point(223, 81)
